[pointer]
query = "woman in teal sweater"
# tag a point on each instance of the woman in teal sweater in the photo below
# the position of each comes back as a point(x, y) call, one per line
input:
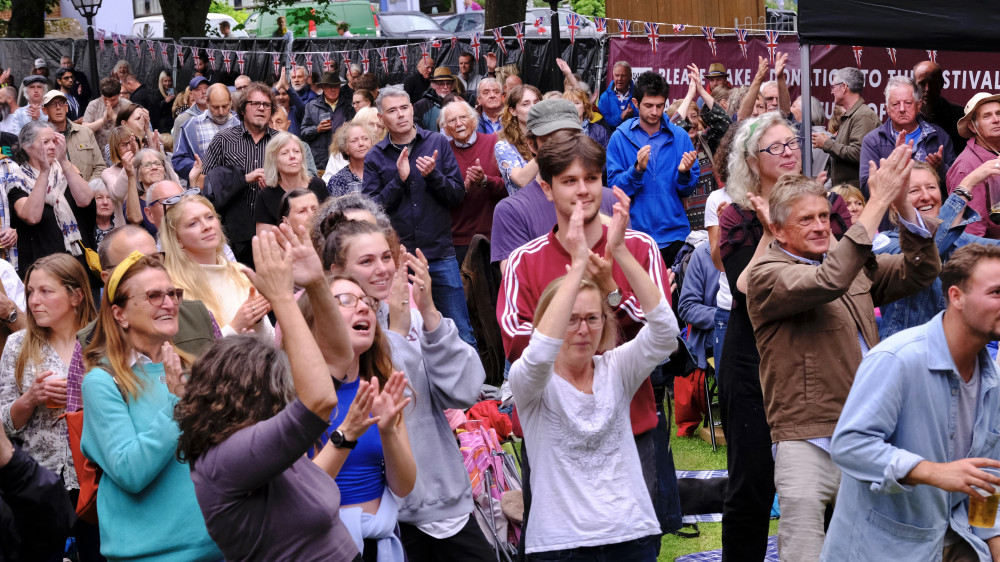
point(146, 502)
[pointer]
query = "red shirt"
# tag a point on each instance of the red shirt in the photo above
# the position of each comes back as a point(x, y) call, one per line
point(475, 214)
point(534, 265)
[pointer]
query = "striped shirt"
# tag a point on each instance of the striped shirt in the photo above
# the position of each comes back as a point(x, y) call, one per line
point(230, 156)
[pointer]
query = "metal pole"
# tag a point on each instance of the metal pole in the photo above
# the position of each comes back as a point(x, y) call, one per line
point(554, 82)
point(92, 50)
point(806, 112)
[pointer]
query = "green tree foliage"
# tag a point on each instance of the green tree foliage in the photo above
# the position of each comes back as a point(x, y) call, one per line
point(27, 17)
point(592, 8)
point(218, 7)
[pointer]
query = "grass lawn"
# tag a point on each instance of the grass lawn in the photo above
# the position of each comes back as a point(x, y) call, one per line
point(691, 453)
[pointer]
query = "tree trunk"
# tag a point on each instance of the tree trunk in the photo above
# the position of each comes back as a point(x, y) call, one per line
point(184, 19)
point(503, 12)
point(27, 18)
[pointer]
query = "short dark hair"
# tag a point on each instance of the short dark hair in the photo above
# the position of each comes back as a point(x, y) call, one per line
point(959, 267)
point(650, 83)
point(563, 148)
point(465, 55)
point(285, 206)
point(110, 87)
point(223, 24)
point(241, 104)
point(367, 81)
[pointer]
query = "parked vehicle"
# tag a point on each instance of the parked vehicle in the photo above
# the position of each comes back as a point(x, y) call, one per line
point(464, 25)
point(359, 14)
point(152, 26)
point(411, 25)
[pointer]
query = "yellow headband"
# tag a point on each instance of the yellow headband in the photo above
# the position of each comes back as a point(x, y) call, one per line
point(119, 272)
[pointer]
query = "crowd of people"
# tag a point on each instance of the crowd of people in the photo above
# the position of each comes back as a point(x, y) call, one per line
point(259, 297)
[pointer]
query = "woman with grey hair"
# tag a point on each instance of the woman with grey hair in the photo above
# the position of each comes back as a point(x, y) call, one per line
point(284, 170)
point(53, 204)
point(764, 149)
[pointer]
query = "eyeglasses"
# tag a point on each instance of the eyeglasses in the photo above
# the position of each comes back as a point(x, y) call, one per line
point(151, 165)
point(175, 199)
point(350, 300)
point(778, 148)
point(156, 296)
point(259, 104)
point(126, 144)
point(594, 321)
point(834, 85)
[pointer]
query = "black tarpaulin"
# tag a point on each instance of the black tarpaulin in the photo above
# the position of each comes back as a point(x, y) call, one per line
point(962, 25)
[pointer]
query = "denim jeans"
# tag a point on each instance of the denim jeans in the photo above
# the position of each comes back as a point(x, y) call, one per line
point(449, 296)
point(721, 323)
point(637, 550)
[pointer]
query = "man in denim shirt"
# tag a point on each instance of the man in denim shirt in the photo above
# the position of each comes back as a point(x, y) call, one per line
point(924, 409)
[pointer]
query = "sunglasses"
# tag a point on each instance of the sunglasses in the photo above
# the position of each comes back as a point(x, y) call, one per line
point(156, 296)
point(175, 199)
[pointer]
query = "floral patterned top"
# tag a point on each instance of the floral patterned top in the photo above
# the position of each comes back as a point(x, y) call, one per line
point(344, 182)
point(508, 158)
point(45, 437)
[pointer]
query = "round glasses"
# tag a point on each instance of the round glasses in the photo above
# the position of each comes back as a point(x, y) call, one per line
point(350, 300)
point(778, 148)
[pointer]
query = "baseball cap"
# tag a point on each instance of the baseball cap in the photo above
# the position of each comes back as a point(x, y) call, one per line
point(549, 116)
point(51, 95)
point(34, 79)
point(40, 63)
point(197, 81)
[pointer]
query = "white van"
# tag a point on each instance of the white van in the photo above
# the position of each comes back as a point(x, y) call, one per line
point(152, 26)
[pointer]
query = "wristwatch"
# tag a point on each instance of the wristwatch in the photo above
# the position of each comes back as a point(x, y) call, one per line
point(10, 319)
point(614, 298)
point(963, 192)
point(337, 439)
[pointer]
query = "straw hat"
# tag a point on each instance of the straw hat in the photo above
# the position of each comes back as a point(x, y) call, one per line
point(716, 70)
point(970, 110)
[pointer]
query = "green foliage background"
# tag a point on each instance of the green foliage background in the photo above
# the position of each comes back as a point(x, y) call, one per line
point(592, 8)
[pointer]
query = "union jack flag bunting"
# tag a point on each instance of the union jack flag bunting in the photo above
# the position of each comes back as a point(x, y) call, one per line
point(152, 50)
point(573, 24)
point(601, 25)
point(347, 59)
point(519, 33)
point(857, 54)
point(228, 60)
point(653, 34)
point(327, 63)
point(436, 44)
point(538, 25)
point(364, 61)
point(241, 59)
point(164, 52)
point(100, 38)
point(709, 33)
point(679, 27)
point(276, 58)
point(138, 47)
point(741, 38)
point(180, 54)
point(291, 60)
point(401, 49)
point(454, 42)
point(424, 54)
point(772, 44)
point(309, 63)
point(475, 45)
point(211, 58)
point(498, 38)
point(892, 55)
point(932, 55)
point(383, 57)
point(194, 52)
point(115, 43)
point(624, 28)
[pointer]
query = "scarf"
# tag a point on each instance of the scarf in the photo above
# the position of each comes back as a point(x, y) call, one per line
point(55, 197)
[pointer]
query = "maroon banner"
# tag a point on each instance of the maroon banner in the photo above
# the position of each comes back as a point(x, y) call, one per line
point(965, 74)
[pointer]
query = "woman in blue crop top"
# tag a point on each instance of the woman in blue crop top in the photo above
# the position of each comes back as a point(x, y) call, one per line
point(369, 457)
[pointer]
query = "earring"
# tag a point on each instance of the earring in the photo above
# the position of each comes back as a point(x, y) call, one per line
point(125, 326)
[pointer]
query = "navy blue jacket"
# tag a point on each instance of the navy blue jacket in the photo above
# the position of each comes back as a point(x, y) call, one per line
point(420, 208)
point(36, 515)
point(696, 306)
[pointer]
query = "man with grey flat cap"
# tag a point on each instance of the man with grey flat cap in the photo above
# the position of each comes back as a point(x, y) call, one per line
point(324, 114)
point(34, 87)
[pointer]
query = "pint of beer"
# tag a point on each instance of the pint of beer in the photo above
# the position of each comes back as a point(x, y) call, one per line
point(984, 514)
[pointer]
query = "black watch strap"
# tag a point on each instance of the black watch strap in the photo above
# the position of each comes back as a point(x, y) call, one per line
point(337, 439)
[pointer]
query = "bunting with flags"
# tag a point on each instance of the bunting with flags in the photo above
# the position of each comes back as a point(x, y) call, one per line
point(383, 57)
point(498, 38)
point(679, 28)
point(436, 44)
point(709, 33)
point(932, 56)
point(347, 59)
point(241, 59)
point(309, 63)
point(194, 52)
point(227, 60)
point(364, 61)
point(653, 34)
point(401, 49)
point(115, 43)
point(294, 63)
point(211, 58)
point(163, 51)
point(892, 55)
point(152, 50)
point(137, 43)
point(573, 24)
point(180, 54)
point(454, 42)
point(624, 28)
point(539, 25)
point(327, 63)
point(741, 38)
point(424, 54)
point(100, 38)
point(600, 25)
point(857, 54)
point(475, 44)
point(276, 58)
point(771, 37)
point(519, 33)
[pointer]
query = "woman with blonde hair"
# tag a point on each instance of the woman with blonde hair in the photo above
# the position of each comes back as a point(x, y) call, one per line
point(367, 116)
point(513, 154)
point(353, 141)
point(146, 501)
point(166, 87)
point(853, 197)
point(284, 171)
point(34, 367)
point(120, 178)
point(193, 243)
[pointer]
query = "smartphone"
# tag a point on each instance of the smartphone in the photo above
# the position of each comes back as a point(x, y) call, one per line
point(170, 91)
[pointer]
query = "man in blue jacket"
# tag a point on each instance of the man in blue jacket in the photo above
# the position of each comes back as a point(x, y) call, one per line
point(616, 104)
point(656, 164)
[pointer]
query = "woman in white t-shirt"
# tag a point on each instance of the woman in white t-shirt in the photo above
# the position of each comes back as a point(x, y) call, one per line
point(589, 497)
